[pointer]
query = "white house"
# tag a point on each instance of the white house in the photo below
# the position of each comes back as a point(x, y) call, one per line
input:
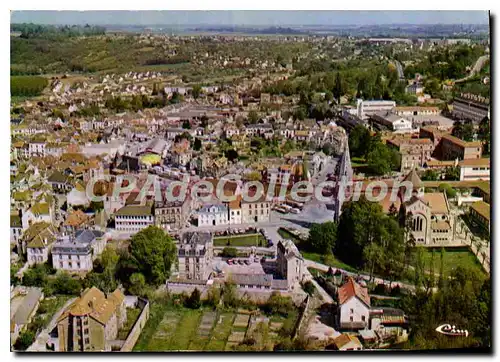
point(354, 306)
point(213, 215)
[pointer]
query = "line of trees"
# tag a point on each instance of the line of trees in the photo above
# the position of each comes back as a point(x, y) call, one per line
point(27, 86)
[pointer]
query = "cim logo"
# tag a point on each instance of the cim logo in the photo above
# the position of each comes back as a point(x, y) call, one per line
point(450, 330)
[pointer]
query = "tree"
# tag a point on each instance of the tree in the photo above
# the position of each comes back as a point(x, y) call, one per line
point(229, 252)
point(463, 130)
point(309, 287)
point(154, 252)
point(24, 340)
point(137, 284)
point(484, 134)
point(65, 284)
point(359, 141)
point(196, 91)
point(194, 300)
point(322, 238)
point(430, 175)
point(231, 154)
point(379, 159)
point(253, 117)
point(338, 88)
point(197, 144)
point(186, 125)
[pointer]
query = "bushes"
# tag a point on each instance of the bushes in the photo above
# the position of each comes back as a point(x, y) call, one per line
point(194, 300)
point(450, 192)
point(28, 86)
point(229, 252)
point(309, 287)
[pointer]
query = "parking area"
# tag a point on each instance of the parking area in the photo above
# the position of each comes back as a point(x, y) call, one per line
point(253, 267)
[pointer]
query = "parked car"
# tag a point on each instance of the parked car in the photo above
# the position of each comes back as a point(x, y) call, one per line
point(240, 261)
point(247, 262)
point(230, 261)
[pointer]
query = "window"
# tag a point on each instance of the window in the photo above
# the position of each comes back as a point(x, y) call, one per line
point(363, 318)
point(352, 319)
point(352, 311)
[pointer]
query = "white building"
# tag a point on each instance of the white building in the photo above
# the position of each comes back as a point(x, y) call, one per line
point(213, 215)
point(134, 218)
point(76, 253)
point(392, 121)
point(474, 169)
point(36, 149)
point(367, 108)
point(354, 306)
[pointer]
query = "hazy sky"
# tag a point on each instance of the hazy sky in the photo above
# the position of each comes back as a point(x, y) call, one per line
point(251, 17)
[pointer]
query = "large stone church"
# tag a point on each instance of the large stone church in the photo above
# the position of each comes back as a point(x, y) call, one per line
point(428, 214)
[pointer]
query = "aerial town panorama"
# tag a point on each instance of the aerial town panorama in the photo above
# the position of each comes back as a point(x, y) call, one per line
point(222, 187)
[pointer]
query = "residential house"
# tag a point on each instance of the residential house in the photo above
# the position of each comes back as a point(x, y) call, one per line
point(16, 228)
point(91, 322)
point(347, 342)
point(415, 88)
point(260, 129)
point(60, 182)
point(39, 212)
point(134, 218)
point(255, 211)
point(171, 215)
point(234, 207)
point(195, 254)
point(37, 241)
point(354, 306)
point(76, 252)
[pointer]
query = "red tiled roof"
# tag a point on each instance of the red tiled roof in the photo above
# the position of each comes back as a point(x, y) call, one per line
point(353, 289)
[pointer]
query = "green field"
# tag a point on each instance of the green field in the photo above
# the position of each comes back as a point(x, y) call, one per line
point(181, 329)
point(453, 258)
point(241, 240)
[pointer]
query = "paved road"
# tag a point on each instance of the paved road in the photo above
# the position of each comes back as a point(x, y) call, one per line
point(324, 268)
point(476, 68)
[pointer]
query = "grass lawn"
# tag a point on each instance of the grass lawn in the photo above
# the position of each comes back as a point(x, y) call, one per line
point(172, 328)
point(453, 258)
point(241, 240)
point(358, 162)
point(132, 315)
point(330, 260)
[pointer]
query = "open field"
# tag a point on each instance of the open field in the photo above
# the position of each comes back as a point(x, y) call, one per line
point(182, 329)
point(453, 258)
point(241, 240)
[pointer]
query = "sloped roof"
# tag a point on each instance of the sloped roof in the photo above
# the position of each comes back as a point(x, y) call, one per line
point(344, 339)
point(352, 289)
point(93, 302)
point(414, 179)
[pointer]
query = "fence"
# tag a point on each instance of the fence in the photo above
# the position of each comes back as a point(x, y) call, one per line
point(139, 324)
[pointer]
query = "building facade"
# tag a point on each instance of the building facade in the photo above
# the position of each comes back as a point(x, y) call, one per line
point(134, 218)
point(195, 254)
point(91, 322)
